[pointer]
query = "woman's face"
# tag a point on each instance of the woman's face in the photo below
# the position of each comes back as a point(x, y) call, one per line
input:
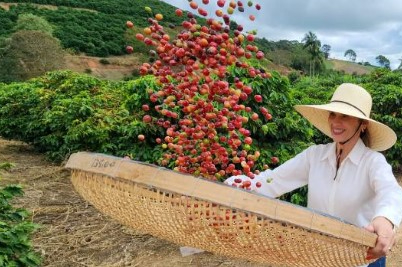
point(343, 127)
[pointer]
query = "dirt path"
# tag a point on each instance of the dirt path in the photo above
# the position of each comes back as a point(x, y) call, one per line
point(118, 67)
point(6, 6)
point(74, 234)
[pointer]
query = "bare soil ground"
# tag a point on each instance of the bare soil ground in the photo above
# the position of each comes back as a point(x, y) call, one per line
point(121, 67)
point(73, 233)
point(118, 67)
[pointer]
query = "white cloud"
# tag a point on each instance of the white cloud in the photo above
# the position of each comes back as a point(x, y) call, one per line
point(369, 27)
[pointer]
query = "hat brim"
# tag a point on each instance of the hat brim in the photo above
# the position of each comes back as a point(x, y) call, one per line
point(382, 137)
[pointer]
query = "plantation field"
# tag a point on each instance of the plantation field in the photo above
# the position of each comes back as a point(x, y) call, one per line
point(89, 37)
point(6, 6)
point(73, 233)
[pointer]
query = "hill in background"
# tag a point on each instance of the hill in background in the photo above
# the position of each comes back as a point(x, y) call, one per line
point(348, 67)
point(95, 35)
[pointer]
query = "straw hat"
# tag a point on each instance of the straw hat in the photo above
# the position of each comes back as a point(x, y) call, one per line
point(352, 100)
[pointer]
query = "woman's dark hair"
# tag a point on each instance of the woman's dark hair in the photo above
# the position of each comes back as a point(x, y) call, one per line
point(365, 136)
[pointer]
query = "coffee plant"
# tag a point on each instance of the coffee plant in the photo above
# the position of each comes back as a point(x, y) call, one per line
point(15, 230)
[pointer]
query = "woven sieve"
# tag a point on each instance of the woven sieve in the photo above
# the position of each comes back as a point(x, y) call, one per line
point(215, 217)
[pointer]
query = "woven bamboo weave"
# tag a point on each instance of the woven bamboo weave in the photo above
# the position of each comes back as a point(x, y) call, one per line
point(215, 217)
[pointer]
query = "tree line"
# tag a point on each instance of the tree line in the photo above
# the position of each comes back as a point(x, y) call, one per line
point(320, 52)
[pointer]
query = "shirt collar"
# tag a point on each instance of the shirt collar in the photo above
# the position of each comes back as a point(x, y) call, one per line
point(357, 152)
point(355, 155)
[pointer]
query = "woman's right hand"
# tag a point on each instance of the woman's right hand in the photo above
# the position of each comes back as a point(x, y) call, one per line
point(260, 183)
point(244, 182)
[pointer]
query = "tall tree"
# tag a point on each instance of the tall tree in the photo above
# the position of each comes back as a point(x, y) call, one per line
point(7, 63)
point(383, 61)
point(325, 49)
point(400, 64)
point(351, 54)
point(313, 45)
point(28, 54)
point(30, 51)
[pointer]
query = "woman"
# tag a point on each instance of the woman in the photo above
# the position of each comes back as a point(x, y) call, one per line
point(347, 178)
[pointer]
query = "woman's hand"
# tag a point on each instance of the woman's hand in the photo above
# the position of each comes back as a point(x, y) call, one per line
point(242, 181)
point(386, 237)
point(259, 184)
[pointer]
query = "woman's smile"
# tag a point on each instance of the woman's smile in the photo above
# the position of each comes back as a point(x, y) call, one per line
point(337, 131)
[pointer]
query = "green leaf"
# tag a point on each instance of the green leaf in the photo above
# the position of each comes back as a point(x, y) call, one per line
point(6, 166)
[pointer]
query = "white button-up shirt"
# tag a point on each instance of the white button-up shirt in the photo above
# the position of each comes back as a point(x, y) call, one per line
point(364, 188)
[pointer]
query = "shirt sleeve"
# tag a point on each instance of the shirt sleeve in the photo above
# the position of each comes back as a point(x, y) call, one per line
point(290, 175)
point(388, 193)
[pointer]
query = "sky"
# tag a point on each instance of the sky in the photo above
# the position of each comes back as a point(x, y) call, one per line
point(369, 27)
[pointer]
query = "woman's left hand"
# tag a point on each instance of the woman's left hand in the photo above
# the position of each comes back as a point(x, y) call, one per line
point(385, 240)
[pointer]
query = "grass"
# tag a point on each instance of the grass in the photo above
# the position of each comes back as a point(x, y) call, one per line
point(348, 67)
